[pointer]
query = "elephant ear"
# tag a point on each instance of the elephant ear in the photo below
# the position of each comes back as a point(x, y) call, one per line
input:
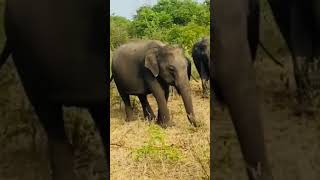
point(151, 63)
point(188, 68)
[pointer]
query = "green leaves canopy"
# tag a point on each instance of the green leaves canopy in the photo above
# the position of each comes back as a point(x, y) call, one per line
point(180, 22)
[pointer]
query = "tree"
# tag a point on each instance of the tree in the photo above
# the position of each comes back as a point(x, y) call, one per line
point(118, 31)
point(176, 21)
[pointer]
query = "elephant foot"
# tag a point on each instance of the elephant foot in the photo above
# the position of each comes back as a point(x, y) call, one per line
point(129, 119)
point(258, 173)
point(205, 94)
point(193, 120)
point(62, 160)
point(166, 124)
point(150, 117)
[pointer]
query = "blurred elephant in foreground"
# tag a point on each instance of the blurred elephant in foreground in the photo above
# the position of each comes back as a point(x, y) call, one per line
point(143, 67)
point(231, 72)
point(61, 61)
point(201, 58)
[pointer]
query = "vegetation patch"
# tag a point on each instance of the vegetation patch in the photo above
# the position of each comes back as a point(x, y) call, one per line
point(156, 148)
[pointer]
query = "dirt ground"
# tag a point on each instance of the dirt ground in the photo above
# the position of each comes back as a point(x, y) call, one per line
point(23, 152)
point(293, 141)
point(143, 150)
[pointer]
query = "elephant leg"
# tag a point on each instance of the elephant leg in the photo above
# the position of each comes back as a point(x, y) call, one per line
point(234, 74)
point(316, 47)
point(254, 27)
point(60, 149)
point(316, 23)
point(204, 75)
point(163, 112)
point(301, 43)
point(128, 107)
point(159, 94)
point(99, 114)
point(205, 88)
point(147, 110)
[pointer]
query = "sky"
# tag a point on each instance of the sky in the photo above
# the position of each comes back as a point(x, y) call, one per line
point(127, 8)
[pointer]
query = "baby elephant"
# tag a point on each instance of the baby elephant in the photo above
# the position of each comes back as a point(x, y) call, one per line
point(201, 58)
point(143, 67)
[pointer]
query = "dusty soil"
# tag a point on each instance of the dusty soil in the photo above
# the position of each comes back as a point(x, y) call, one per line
point(23, 142)
point(143, 150)
point(293, 141)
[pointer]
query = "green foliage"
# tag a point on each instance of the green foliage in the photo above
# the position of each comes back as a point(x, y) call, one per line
point(180, 22)
point(118, 31)
point(156, 148)
point(187, 35)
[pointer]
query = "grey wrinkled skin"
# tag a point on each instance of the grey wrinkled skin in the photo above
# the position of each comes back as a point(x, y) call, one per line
point(232, 79)
point(59, 51)
point(143, 67)
point(201, 59)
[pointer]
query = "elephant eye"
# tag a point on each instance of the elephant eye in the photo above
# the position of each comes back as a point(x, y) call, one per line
point(171, 68)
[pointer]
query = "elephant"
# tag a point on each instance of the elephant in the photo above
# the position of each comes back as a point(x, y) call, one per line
point(299, 24)
point(59, 51)
point(143, 67)
point(232, 73)
point(201, 52)
point(201, 59)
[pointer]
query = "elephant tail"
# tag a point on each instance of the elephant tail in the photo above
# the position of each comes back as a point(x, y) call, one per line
point(270, 55)
point(5, 54)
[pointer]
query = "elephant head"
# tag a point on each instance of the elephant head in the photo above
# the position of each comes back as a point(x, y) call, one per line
point(171, 67)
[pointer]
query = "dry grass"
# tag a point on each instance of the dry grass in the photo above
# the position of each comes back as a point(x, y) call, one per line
point(143, 150)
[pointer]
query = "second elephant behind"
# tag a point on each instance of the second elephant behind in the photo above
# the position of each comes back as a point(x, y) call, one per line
point(201, 58)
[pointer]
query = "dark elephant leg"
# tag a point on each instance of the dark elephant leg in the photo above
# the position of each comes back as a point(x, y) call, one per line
point(316, 23)
point(147, 110)
point(234, 75)
point(301, 43)
point(127, 106)
point(202, 70)
point(205, 87)
point(60, 149)
point(316, 45)
point(254, 27)
point(205, 80)
point(99, 114)
point(294, 21)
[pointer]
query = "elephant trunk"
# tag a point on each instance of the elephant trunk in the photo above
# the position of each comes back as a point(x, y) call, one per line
point(185, 92)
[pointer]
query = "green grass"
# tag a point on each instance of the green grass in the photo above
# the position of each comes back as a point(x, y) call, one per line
point(155, 148)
